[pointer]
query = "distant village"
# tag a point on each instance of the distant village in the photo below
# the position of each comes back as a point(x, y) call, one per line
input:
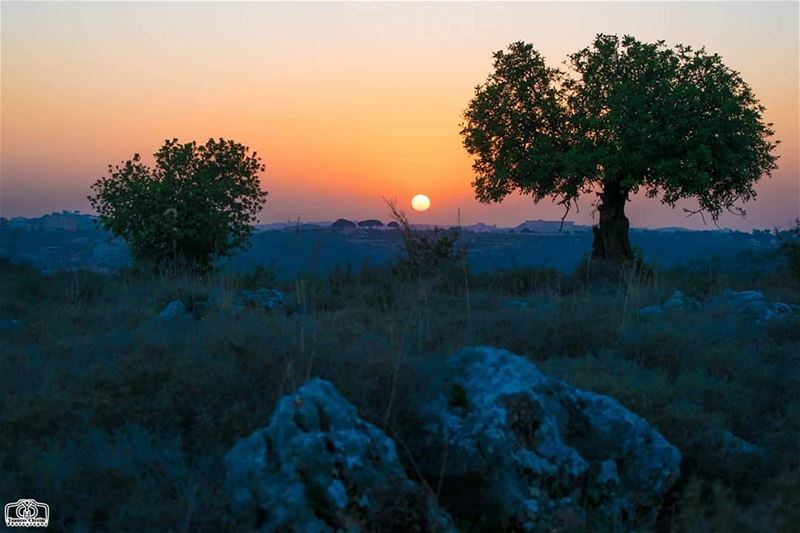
point(68, 240)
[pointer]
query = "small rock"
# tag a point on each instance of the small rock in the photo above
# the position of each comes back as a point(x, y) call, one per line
point(677, 301)
point(734, 447)
point(515, 303)
point(174, 309)
point(518, 303)
point(742, 297)
point(544, 307)
point(650, 310)
point(264, 299)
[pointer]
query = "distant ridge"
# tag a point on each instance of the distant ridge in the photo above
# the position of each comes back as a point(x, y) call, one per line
point(537, 226)
point(77, 221)
point(550, 226)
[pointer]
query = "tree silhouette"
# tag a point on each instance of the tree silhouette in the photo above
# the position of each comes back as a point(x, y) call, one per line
point(625, 116)
point(196, 204)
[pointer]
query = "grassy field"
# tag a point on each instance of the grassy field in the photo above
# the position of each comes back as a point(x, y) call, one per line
point(119, 421)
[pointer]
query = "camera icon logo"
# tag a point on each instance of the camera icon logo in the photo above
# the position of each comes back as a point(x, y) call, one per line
point(27, 513)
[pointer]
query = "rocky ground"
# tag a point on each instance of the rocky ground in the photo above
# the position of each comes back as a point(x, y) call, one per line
point(517, 401)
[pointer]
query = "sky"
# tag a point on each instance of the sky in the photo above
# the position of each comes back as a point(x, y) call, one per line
point(347, 103)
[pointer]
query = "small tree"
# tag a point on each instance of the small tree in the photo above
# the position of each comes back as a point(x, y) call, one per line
point(627, 116)
point(196, 204)
point(425, 251)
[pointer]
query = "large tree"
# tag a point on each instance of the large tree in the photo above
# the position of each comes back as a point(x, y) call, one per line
point(623, 116)
point(197, 203)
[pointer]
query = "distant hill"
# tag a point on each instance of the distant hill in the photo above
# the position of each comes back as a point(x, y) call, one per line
point(70, 221)
point(319, 250)
point(71, 241)
point(550, 226)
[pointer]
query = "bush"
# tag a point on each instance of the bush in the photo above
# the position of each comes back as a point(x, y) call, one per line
point(426, 252)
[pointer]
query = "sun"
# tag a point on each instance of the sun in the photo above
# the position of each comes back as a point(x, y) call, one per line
point(421, 202)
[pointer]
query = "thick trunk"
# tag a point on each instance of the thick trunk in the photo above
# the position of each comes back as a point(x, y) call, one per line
point(611, 234)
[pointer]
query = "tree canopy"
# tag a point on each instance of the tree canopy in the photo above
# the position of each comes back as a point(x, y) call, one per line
point(197, 203)
point(623, 116)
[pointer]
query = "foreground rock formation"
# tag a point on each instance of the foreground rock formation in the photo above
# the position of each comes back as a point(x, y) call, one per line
point(517, 450)
point(318, 467)
point(507, 447)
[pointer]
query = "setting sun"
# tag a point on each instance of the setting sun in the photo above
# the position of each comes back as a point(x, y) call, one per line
point(421, 202)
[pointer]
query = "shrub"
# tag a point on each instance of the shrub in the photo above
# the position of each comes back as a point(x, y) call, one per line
point(426, 252)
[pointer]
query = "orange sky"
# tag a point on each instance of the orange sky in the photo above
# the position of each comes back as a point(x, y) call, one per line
point(346, 102)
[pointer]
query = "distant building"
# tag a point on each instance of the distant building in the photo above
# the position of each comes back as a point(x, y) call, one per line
point(64, 221)
point(59, 221)
point(21, 223)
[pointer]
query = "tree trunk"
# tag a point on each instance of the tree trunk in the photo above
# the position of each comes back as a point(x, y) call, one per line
point(611, 242)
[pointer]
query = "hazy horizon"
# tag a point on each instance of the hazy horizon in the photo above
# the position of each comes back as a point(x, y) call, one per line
point(347, 103)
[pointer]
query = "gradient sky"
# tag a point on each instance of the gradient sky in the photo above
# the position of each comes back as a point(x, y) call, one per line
point(346, 102)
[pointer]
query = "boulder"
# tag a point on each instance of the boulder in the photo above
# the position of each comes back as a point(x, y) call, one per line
point(516, 450)
point(735, 448)
point(677, 301)
point(174, 309)
point(317, 466)
point(752, 304)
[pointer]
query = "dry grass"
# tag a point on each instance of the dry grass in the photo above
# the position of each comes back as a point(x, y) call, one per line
point(117, 419)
